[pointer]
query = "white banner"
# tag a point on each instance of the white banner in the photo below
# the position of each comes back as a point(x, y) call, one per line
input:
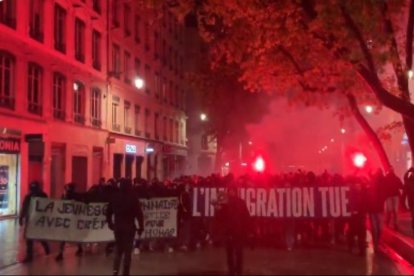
point(67, 220)
point(71, 221)
point(160, 217)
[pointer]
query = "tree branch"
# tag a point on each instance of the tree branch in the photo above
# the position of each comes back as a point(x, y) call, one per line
point(358, 34)
point(409, 37)
point(395, 103)
point(395, 57)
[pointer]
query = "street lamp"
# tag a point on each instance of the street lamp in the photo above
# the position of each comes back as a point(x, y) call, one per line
point(369, 109)
point(139, 83)
point(343, 131)
point(203, 117)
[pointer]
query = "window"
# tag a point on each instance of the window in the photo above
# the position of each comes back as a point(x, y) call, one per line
point(137, 120)
point(59, 95)
point(137, 23)
point(146, 36)
point(204, 142)
point(177, 132)
point(127, 18)
point(78, 102)
point(176, 97)
point(115, 14)
point(171, 136)
point(115, 121)
point(79, 40)
point(147, 123)
point(96, 50)
point(157, 85)
point(7, 93)
point(169, 57)
point(147, 77)
point(183, 100)
point(34, 89)
point(127, 117)
point(156, 122)
point(164, 52)
point(8, 13)
point(96, 5)
point(116, 61)
point(164, 90)
point(156, 52)
point(127, 60)
point(36, 20)
point(164, 128)
point(59, 31)
point(96, 107)
point(170, 92)
point(137, 64)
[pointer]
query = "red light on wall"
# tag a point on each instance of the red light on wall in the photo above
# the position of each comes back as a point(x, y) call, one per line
point(359, 160)
point(259, 164)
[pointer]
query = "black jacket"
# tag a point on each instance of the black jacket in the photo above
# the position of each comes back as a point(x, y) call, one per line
point(234, 219)
point(122, 211)
point(24, 214)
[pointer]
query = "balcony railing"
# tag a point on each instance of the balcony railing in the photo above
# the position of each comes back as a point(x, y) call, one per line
point(36, 34)
point(8, 21)
point(7, 102)
point(35, 108)
point(128, 130)
point(59, 114)
point(79, 118)
point(116, 127)
point(138, 132)
point(80, 57)
point(60, 47)
point(97, 65)
point(147, 135)
point(96, 122)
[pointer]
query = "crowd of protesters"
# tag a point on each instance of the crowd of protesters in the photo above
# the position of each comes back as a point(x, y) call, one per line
point(375, 201)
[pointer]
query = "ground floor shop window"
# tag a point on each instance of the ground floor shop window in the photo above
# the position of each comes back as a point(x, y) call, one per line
point(8, 184)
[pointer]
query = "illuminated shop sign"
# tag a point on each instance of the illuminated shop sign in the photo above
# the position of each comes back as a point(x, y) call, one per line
point(9, 145)
point(130, 148)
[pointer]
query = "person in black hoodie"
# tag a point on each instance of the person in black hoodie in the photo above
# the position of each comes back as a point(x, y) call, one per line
point(184, 217)
point(123, 210)
point(234, 219)
point(35, 191)
point(70, 194)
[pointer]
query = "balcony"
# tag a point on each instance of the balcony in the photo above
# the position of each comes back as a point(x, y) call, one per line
point(157, 137)
point(156, 56)
point(36, 34)
point(34, 108)
point(137, 39)
point(138, 132)
point(79, 118)
point(115, 24)
point(147, 47)
point(147, 135)
point(116, 127)
point(59, 114)
point(96, 122)
point(8, 21)
point(127, 32)
point(7, 102)
point(127, 80)
point(128, 130)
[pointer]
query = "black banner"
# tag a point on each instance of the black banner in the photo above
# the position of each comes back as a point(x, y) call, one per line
point(281, 202)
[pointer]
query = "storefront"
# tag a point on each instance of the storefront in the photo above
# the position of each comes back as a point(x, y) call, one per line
point(173, 161)
point(9, 174)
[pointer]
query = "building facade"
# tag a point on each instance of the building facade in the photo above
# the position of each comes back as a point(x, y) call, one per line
point(70, 109)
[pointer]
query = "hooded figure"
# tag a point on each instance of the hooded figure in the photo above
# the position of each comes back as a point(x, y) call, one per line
point(35, 190)
point(123, 210)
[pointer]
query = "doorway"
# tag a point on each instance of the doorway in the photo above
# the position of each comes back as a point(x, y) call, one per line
point(80, 172)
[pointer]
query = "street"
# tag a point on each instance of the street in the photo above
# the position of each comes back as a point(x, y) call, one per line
point(211, 261)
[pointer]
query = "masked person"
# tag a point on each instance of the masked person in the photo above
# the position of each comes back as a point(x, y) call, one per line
point(123, 210)
point(35, 191)
point(234, 219)
point(70, 194)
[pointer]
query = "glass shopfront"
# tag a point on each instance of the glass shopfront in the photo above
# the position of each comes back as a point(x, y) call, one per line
point(9, 160)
